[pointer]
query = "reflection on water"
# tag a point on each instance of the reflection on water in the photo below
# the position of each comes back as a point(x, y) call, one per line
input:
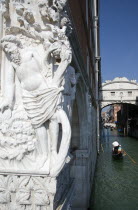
point(116, 181)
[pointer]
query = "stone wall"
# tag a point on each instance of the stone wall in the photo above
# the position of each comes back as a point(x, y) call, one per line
point(84, 118)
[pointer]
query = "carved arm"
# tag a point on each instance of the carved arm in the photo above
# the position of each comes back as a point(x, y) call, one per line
point(66, 56)
point(58, 77)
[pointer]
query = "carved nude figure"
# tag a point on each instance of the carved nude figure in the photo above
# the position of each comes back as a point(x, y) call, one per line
point(40, 98)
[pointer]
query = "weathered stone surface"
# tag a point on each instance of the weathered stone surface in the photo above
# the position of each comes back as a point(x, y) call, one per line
point(20, 192)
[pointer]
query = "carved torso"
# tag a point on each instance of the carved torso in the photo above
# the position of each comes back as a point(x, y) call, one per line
point(29, 72)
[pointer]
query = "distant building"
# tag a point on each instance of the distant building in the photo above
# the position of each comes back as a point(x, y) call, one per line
point(103, 115)
point(127, 118)
point(117, 108)
point(112, 112)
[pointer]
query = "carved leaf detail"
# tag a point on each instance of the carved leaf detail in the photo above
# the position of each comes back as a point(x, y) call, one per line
point(51, 186)
point(41, 198)
point(4, 197)
point(15, 206)
point(37, 183)
point(17, 136)
point(11, 183)
point(2, 182)
point(23, 181)
point(4, 193)
point(23, 196)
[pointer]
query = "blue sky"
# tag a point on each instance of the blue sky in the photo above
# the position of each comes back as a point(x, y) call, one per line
point(119, 38)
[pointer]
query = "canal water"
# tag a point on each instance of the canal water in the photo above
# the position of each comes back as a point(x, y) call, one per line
point(116, 181)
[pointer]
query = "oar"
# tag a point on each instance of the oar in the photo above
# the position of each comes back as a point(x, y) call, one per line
point(129, 157)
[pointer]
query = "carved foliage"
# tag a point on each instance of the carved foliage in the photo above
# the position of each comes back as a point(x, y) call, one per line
point(51, 10)
point(5, 8)
point(17, 136)
point(4, 191)
point(18, 192)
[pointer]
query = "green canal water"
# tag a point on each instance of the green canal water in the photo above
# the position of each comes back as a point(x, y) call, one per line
point(116, 181)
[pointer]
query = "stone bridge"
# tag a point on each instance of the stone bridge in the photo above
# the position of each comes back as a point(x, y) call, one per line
point(119, 90)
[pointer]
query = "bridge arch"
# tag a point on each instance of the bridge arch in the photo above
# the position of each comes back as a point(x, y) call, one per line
point(117, 91)
point(104, 105)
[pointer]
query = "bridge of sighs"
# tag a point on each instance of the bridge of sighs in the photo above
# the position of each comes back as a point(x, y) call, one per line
point(119, 90)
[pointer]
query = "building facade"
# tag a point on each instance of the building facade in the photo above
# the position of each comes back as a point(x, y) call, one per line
point(112, 112)
point(127, 120)
point(85, 132)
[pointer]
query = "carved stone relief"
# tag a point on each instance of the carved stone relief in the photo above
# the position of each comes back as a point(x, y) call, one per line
point(26, 192)
point(37, 79)
point(23, 192)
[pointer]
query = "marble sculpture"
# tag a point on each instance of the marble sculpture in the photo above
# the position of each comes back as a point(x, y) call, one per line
point(37, 86)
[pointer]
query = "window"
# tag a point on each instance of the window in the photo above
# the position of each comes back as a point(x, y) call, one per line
point(112, 93)
point(129, 93)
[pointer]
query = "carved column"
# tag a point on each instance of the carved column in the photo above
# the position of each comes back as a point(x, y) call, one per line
point(34, 160)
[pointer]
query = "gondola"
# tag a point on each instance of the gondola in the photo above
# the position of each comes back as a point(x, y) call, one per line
point(118, 155)
point(117, 152)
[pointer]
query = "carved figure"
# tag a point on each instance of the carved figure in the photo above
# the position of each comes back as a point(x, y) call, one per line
point(40, 101)
point(51, 11)
point(32, 51)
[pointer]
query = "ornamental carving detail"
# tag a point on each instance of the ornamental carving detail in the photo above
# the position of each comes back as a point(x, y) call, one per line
point(37, 90)
point(25, 192)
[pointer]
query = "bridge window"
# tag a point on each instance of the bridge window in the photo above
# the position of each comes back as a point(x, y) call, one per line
point(129, 93)
point(112, 93)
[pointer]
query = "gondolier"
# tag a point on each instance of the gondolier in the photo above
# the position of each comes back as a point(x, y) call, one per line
point(117, 150)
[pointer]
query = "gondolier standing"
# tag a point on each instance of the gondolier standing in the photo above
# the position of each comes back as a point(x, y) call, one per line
point(117, 150)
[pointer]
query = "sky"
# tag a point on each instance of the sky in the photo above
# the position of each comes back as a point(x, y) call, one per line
point(119, 39)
